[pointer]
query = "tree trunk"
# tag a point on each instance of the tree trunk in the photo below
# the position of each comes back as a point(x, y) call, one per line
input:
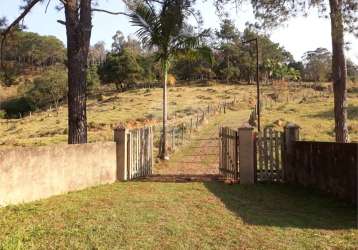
point(339, 71)
point(78, 29)
point(164, 154)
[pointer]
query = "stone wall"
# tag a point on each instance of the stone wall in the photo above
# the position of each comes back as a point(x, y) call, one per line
point(29, 174)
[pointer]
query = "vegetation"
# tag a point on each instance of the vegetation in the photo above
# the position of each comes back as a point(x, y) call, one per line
point(166, 31)
point(49, 89)
point(29, 52)
point(343, 16)
point(311, 106)
point(160, 215)
point(107, 108)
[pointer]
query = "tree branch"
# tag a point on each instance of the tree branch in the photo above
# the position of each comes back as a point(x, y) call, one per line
point(110, 12)
point(61, 22)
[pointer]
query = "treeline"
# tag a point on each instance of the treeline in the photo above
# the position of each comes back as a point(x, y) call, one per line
point(27, 51)
point(224, 57)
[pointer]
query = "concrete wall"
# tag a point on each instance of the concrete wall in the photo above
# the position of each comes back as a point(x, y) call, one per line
point(29, 174)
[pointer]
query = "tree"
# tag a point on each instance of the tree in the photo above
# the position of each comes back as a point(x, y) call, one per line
point(162, 25)
point(48, 89)
point(228, 34)
point(344, 17)
point(118, 41)
point(317, 65)
point(122, 68)
point(352, 71)
point(97, 53)
point(78, 23)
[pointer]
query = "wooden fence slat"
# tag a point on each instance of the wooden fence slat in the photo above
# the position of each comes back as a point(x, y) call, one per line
point(271, 159)
point(265, 153)
point(228, 154)
point(261, 150)
point(277, 155)
point(140, 152)
point(269, 153)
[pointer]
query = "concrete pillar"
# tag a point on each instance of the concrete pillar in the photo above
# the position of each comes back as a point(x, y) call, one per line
point(120, 137)
point(291, 134)
point(246, 155)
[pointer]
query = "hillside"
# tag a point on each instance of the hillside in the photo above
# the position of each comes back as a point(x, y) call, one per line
point(311, 109)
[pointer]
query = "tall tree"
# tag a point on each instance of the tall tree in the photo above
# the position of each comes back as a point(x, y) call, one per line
point(78, 22)
point(227, 33)
point(344, 18)
point(317, 65)
point(162, 25)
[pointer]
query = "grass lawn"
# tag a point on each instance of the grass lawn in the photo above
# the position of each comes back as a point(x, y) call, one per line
point(146, 215)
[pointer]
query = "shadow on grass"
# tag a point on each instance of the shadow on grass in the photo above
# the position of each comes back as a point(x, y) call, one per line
point(329, 114)
point(284, 206)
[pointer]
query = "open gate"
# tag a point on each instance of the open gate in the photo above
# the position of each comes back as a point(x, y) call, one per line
point(229, 153)
point(139, 152)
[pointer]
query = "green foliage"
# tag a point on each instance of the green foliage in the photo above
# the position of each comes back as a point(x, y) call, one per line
point(25, 50)
point(194, 64)
point(274, 13)
point(49, 89)
point(318, 65)
point(122, 68)
point(32, 49)
point(352, 71)
point(10, 76)
point(165, 28)
point(93, 79)
point(17, 107)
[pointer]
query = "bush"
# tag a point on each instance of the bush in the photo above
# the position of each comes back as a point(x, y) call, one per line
point(49, 89)
point(17, 107)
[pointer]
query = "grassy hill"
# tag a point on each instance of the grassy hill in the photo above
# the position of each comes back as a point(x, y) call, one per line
point(311, 109)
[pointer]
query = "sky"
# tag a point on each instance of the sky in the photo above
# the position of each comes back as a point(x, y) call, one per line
point(298, 35)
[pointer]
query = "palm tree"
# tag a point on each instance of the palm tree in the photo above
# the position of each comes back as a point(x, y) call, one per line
point(162, 26)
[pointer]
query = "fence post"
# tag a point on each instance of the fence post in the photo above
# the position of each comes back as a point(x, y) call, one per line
point(291, 134)
point(246, 155)
point(120, 137)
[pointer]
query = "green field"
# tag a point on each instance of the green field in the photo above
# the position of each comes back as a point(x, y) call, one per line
point(144, 215)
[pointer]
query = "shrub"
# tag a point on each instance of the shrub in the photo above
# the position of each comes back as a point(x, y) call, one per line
point(17, 107)
point(48, 89)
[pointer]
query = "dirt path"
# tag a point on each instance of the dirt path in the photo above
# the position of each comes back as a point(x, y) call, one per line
point(198, 159)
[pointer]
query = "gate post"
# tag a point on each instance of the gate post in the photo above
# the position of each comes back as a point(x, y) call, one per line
point(291, 134)
point(120, 137)
point(246, 155)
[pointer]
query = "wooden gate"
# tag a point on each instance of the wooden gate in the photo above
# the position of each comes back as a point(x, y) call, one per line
point(228, 155)
point(269, 153)
point(139, 152)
